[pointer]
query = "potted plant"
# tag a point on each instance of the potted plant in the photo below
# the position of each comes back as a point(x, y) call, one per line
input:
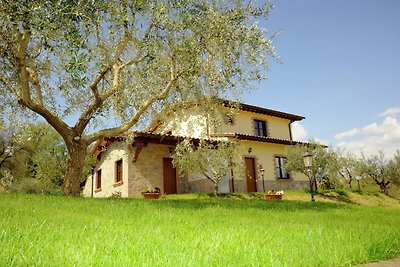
point(274, 195)
point(152, 193)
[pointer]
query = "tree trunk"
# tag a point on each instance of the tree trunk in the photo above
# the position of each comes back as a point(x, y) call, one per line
point(384, 187)
point(350, 185)
point(314, 183)
point(76, 161)
point(215, 189)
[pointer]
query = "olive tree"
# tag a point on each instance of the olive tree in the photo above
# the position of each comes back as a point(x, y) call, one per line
point(212, 159)
point(347, 166)
point(381, 170)
point(394, 168)
point(94, 69)
point(14, 156)
point(321, 168)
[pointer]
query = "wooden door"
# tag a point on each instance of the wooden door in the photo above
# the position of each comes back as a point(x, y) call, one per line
point(169, 173)
point(250, 175)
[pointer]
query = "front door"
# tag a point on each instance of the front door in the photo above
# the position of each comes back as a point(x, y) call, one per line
point(250, 175)
point(169, 173)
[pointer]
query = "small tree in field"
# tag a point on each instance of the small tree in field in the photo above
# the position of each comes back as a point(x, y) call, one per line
point(394, 168)
point(347, 166)
point(110, 65)
point(214, 160)
point(321, 168)
point(381, 170)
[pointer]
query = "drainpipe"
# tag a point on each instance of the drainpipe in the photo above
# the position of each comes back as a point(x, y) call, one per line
point(232, 182)
point(290, 130)
point(91, 194)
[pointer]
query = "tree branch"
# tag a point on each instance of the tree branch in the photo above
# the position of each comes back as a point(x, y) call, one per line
point(38, 91)
point(120, 49)
point(23, 40)
point(25, 97)
point(100, 98)
point(145, 105)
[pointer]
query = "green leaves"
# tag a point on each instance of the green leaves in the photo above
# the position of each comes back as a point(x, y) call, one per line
point(125, 59)
point(212, 159)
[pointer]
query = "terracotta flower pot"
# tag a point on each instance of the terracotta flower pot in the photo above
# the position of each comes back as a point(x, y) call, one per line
point(151, 195)
point(273, 196)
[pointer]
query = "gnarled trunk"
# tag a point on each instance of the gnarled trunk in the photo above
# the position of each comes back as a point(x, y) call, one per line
point(215, 189)
point(384, 186)
point(76, 161)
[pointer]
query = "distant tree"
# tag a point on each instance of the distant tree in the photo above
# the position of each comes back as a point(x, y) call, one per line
point(347, 166)
point(123, 60)
point(376, 167)
point(321, 169)
point(48, 160)
point(213, 160)
point(5, 147)
point(14, 156)
point(394, 168)
point(35, 160)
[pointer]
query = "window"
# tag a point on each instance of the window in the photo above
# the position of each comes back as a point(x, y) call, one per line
point(98, 179)
point(118, 171)
point(280, 168)
point(228, 119)
point(260, 128)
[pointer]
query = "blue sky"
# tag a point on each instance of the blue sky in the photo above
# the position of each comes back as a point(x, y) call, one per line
point(341, 70)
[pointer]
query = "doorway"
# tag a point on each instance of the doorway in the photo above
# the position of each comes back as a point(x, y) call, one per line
point(250, 175)
point(169, 175)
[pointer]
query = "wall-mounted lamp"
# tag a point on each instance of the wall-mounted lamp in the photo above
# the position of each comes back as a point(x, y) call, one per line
point(250, 149)
point(171, 150)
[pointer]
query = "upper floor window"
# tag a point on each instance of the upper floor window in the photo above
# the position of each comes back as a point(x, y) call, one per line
point(98, 179)
point(281, 173)
point(118, 171)
point(228, 119)
point(260, 128)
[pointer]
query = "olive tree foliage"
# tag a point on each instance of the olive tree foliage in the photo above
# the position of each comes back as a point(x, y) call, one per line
point(347, 166)
point(113, 64)
point(381, 170)
point(394, 168)
point(48, 157)
point(321, 168)
point(14, 156)
point(212, 159)
point(35, 159)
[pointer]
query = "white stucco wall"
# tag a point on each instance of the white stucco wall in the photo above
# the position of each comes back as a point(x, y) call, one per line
point(188, 123)
point(244, 123)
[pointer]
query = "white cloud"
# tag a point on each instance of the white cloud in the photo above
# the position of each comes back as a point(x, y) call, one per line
point(299, 133)
point(344, 135)
point(321, 141)
point(374, 137)
point(390, 112)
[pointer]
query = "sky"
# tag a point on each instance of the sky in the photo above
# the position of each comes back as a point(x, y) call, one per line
point(341, 70)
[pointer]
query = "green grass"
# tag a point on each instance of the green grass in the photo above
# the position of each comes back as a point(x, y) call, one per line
point(62, 231)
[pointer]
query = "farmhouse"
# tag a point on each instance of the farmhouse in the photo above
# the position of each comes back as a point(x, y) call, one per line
point(129, 164)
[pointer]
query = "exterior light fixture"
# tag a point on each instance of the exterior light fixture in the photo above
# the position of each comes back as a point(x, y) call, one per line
point(308, 162)
point(308, 159)
point(262, 177)
point(250, 149)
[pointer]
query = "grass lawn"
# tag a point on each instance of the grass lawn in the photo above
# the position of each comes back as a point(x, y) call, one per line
point(62, 231)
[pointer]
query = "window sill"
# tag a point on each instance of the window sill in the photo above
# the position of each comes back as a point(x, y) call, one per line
point(283, 179)
point(118, 184)
point(97, 190)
